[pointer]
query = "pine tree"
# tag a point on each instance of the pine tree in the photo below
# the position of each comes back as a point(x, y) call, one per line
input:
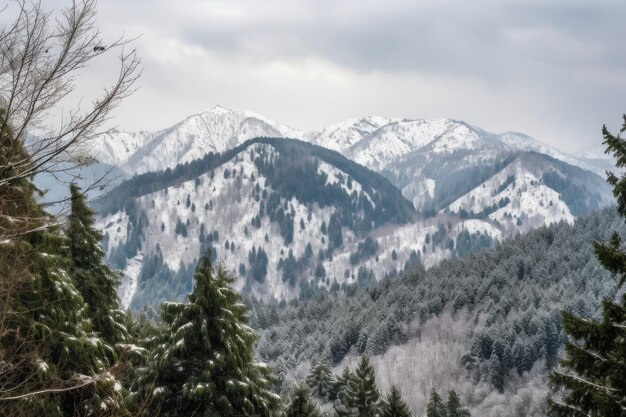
point(360, 396)
point(204, 365)
point(321, 379)
point(592, 376)
point(301, 404)
point(394, 405)
point(46, 336)
point(339, 389)
point(496, 377)
point(435, 407)
point(93, 278)
point(453, 406)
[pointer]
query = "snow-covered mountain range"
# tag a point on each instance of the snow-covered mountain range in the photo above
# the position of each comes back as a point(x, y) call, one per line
point(450, 188)
point(372, 141)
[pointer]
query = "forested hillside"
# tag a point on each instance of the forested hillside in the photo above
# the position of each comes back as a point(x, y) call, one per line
point(510, 299)
point(285, 216)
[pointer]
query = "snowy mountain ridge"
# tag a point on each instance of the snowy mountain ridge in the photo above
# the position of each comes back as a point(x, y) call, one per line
point(215, 130)
point(372, 141)
point(350, 203)
point(348, 225)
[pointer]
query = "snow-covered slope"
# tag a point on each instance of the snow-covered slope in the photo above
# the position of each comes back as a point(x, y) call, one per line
point(446, 187)
point(596, 158)
point(410, 152)
point(516, 198)
point(215, 130)
point(348, 224)
point(343, 135)
point(372, 141)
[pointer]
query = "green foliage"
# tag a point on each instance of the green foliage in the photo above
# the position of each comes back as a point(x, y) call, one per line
point(204, 364)
point(360, 396)
point(95, 280)
point(454, 407)
point(301, 404)
point(394, 405)
point(321, 380)
point(436, 407)
point(592, 376)
point(46, 337)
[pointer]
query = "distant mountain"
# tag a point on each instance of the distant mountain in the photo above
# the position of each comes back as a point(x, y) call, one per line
point(446, 189)
point(597, 159)
point(283, 215)
point(215, 130)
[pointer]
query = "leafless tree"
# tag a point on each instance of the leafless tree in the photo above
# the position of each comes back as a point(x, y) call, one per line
point(40, 56)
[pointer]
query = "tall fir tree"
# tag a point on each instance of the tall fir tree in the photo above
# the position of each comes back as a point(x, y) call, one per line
point(53, 363)
point(591, 379)
point(496, 373)
point(394, 405)
point(436, 407)
point(95, 280)
point(361, 397)
point(341, 384)
point(321, 380)
point(205, 364)
point(454, 407)
point(301, 404)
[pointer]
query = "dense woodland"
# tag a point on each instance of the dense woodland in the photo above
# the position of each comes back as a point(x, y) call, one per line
point(515, 293)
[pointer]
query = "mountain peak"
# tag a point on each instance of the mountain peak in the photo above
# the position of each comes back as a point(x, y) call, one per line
point(217, 109)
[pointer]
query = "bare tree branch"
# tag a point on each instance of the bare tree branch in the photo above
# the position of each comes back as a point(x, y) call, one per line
point(39, 59)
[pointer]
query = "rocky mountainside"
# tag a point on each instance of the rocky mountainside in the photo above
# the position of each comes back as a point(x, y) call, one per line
point(351, 202)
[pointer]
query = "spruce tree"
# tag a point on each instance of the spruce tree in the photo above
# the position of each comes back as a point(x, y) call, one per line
point(454, 407)
point(436, 407)
point(339, 389)
point(496, 374)
point(54, 365)
point(205, 364)
point(95, 280)
point(394, 405)
point(301, 404)
point(592, 375)
point(321, 379)
point(360, 396)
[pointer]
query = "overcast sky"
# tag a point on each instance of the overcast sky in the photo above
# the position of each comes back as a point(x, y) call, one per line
point(553, 69)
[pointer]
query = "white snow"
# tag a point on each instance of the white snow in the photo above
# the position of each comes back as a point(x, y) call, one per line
point(376, 142)
point(128, 285)
point(531, 201)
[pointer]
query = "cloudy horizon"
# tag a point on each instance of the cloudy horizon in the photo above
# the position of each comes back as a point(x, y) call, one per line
point(553, 70)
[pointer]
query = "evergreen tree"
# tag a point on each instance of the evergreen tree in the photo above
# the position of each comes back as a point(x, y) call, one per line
point(496, 377)
point(593, 372)
point(321, 379)
point(453, 406)
point(46, 340)
point(436, 407)
point(339, 389)
point(93, 278)
point(204, 365)
point(301, 404)
point(394, 405)
point(360, 396)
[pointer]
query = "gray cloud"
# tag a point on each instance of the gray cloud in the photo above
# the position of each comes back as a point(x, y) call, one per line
point(554, 69)
point(490, 40)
